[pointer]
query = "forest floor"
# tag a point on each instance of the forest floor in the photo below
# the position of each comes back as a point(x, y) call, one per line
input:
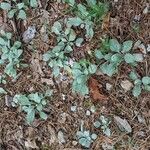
point(66, 110)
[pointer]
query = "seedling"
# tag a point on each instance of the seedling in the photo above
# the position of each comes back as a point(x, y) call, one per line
point(31, 104)
point(139, 84)
point(119, 53)
point(14, 8)
point(103, 123)
point(85, 138)
point(10, 54)
point(81, 72)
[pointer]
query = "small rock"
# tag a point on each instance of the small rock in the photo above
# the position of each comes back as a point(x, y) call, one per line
point(93, 109)
point(122, 124)
point(73, 108)
point(141, 119)
point(146, 9)
point(74, 143)
point(137, 18)
point(142, 48)
point(108, 86)
point(8, 100)
point(61, 138)
point(148, 48)
point(63, 96)
point(29, 34)
point(126, 85)
point(88, 113)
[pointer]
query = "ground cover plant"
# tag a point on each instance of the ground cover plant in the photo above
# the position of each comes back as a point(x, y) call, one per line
point(74, 74)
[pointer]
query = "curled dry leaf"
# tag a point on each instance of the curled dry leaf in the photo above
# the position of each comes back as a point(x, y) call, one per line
point(94, 90)
point(106, 22)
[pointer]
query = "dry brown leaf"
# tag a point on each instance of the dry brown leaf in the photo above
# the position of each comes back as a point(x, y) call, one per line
point(106, 22)
point(94, 90)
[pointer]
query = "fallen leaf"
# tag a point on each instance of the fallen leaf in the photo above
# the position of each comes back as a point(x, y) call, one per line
point(106, 22)
point(94, 90)
point(122, 124)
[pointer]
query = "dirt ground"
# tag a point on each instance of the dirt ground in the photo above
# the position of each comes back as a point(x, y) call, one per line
point(123, 24)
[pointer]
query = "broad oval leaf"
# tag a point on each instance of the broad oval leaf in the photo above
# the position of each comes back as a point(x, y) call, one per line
point(114, 45)
point(129, 58)
point(127, 45)
point(146, 80)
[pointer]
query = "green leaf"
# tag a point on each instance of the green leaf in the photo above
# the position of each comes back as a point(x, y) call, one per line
point(2, 41)
point(20, 5)
point(10, 70)
point(5, 6)
point(146, 80)
point(92, 68)
point(68, 48)
point(129, 58)
point(107, 132)
point(2, 91)
point(136, 90)
point(98, 54)
point(137, 82)
point(22, 15)
point(79, 41)
point(127, 45)
point(76, 21)
point(133, 75)
point(114, 45)
point(30, 115)
point(35, 97)
point(97, 124)
point(17, 44)
point(94, 136)
point(91, 2)
point(85, 142)
point(46, 56)
point(11, 13)
point(56, 71)
point(72, 35)
point(23, 100)
point(9, 35)
point(116, 58)
point(33, 3)
point(43, 115)
point(71, 2)
point(147, 88)
point(108, 69)
point(89, 29)
point(56, 28)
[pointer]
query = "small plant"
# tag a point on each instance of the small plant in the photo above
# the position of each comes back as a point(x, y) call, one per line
point(14, 8)
point(85, 138)
point(81, 72)
point(57, 58)
point(139, 84)
point(118, 54)
point(103, 123)
point(32, 3)
point(97, 10)
point(10, 54)
point(32, 104)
